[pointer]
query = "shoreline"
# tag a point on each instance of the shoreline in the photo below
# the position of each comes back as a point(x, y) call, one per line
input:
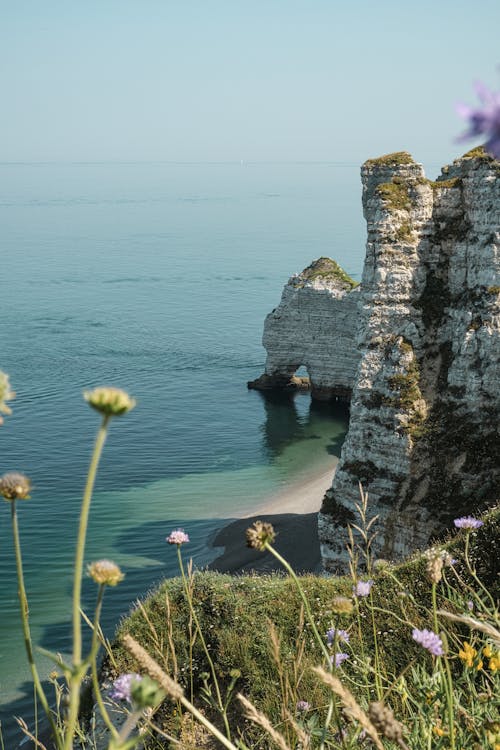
point(293, 512)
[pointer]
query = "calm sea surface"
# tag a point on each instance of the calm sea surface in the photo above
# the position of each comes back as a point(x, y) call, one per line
point(155, 278)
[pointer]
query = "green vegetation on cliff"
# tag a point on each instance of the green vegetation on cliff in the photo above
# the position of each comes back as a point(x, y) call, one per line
point(328, 269)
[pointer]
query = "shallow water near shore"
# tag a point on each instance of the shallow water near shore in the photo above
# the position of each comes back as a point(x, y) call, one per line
point(155, 278)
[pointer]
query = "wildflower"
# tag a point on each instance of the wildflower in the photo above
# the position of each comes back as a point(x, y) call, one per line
point(341, 605)
point(434, 568)
point(338, 658)
point(303, 706)
point(111, 402)
point(178, 536)
point(123, 685)
point(428, 640)
point(468, 655)
point(484, 120)
point(362, 588)
point(261, 535)
point(342, 635)
point(105, 572)
point(5, 395)
point(384, 722)
point(15, 486)
point(470, 605)
point(438, 731)
point(467, 522)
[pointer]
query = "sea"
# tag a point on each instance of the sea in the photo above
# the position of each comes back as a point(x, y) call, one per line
point(156, 278)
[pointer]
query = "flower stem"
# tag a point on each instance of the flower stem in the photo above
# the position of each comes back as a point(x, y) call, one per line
point(79, 669)
point(23, 602)
point(93, 660)
point(204, 644)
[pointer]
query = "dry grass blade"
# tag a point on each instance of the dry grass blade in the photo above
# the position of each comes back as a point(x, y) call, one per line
point(152, 668)
point(473, 624)
point(302, 736)
point(27, 732)
point(350, 704)
point(259, 718)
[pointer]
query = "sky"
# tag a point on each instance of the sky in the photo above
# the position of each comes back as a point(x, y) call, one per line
point(231, 80)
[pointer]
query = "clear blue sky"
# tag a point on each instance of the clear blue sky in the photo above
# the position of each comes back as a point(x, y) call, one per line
point(224, 80)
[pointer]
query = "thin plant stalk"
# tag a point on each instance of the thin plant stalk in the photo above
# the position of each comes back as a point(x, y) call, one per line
point(23, 601)
point(79, 669)
point(332, 705)
point(204, 644)
point(93, 660)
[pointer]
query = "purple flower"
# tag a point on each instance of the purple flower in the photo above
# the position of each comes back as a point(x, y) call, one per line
point(484, 120)
point(428, 640)
point(467, 522)
point(303, 706)
point(178, 536)
point(362, 588)
point(470, 605)
point(342, 635)
point(338, 658)
point(123, 685)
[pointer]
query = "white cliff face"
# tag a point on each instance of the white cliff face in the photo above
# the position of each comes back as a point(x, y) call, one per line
point(425, 380)
point(423, 438)
point(314, 326)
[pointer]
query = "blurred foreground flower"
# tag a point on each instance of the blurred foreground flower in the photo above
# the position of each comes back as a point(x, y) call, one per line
point(467, 522)
point(484, 120)
point(122, 686)
point(14, 486)
point(105, 572)
point(178, 536)
point(109, 401)
point(429, 640)
point(260, 535)
point(5, 395)
point(363, 588)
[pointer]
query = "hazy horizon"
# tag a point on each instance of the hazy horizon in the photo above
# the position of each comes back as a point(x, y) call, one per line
point(280, 81)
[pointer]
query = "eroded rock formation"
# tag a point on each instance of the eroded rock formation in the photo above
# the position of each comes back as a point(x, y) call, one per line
point(425, 375)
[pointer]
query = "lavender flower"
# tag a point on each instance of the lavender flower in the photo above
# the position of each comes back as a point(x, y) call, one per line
point(122, 687)
point(428, 640)
point(363, 588)
point(338, 658)
point(178, 536)
point(470, 605)
point(303, 706)
point(342, 635)
point(484, 120)
point(467, 522)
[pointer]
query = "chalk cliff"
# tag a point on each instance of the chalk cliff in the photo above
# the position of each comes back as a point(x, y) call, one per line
point(417, 345)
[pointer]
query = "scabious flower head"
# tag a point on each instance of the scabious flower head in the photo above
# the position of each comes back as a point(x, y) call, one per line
point(468, 522)
point(363, 588)
point(178, 536)
point(105, 572)
point(342, 635)
point(260, 535)
point(303, 706)
point(338, 658)
point(5, 395)
point(484, 120)
point(109, 401)
point(429, 640)
point(15, 486)
point(122, 686)
point(341, 605)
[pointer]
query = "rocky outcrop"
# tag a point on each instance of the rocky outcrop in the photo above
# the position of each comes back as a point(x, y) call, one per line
point(313, 326)
point(423, 436)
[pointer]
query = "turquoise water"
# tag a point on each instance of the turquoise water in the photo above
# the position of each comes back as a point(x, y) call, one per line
point(155, 278)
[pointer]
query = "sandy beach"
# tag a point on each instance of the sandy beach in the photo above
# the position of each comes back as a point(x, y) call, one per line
point(293, 512)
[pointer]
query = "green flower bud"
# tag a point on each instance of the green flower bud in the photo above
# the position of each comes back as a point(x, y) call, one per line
point(146, 693)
